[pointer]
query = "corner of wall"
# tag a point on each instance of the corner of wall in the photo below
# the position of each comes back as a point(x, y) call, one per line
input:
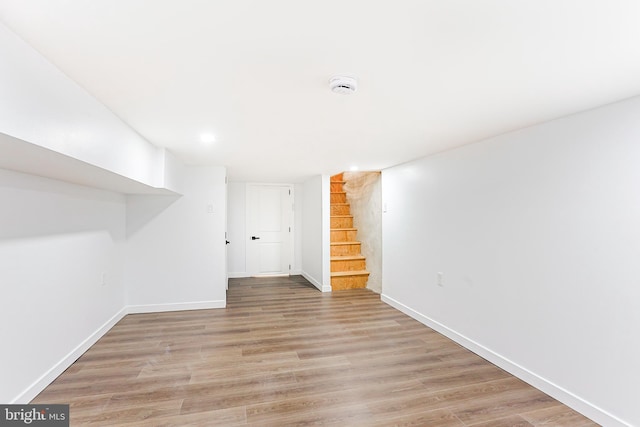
point(321, 287)
point(326, 232)
point(48, 377)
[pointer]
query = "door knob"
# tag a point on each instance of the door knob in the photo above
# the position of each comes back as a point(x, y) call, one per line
point(255, 238)
point(227, 242)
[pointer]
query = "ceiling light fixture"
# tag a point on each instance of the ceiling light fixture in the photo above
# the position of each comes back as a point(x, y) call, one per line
point(353, 168)
point(207, 138)
point(344, 85)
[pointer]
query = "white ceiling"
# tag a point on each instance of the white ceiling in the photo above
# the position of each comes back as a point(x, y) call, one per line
point(432, 74)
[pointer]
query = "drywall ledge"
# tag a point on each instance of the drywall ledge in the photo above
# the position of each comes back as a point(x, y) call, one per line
point(22, 156)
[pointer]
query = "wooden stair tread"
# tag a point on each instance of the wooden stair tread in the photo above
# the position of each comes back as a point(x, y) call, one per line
point(349, 273)
point(345, 256)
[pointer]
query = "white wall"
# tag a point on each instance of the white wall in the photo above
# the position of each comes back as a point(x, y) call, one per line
point(171, 170)
point(56, 241)
point(74, 260)
point(364, 195)
point(298, 191)
point(537, 234)
point(175, 258)
point(326, 232)
point(314, 231)
point(41, 105)
point(73, 257)
point(236, 227)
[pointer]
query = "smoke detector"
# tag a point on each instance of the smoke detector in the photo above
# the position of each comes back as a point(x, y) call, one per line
point(344, 85)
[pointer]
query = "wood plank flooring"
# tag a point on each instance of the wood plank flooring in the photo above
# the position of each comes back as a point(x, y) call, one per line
point(284, 354)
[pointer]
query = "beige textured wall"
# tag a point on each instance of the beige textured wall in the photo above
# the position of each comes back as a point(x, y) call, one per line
point(365, 196)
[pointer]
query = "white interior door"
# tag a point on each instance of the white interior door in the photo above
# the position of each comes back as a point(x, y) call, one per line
point(269, 222)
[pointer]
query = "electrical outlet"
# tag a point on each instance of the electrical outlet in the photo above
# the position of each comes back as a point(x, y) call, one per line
point(103, 281)
point(440, 274)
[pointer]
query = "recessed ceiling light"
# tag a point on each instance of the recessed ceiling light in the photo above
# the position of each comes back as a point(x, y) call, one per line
point(207, 138)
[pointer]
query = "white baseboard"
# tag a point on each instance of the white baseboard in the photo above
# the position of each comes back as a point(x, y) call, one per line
point(241, 275)
point(178, 306)
point(244, 275)
point(314, 282)
point(237, 275)
point(565, 396)
point(48, 377)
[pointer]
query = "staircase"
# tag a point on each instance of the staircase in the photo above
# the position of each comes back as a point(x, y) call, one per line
point(348, 266)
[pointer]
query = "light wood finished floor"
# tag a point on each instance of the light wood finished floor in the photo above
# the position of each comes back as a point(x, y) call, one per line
point(284, 354)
